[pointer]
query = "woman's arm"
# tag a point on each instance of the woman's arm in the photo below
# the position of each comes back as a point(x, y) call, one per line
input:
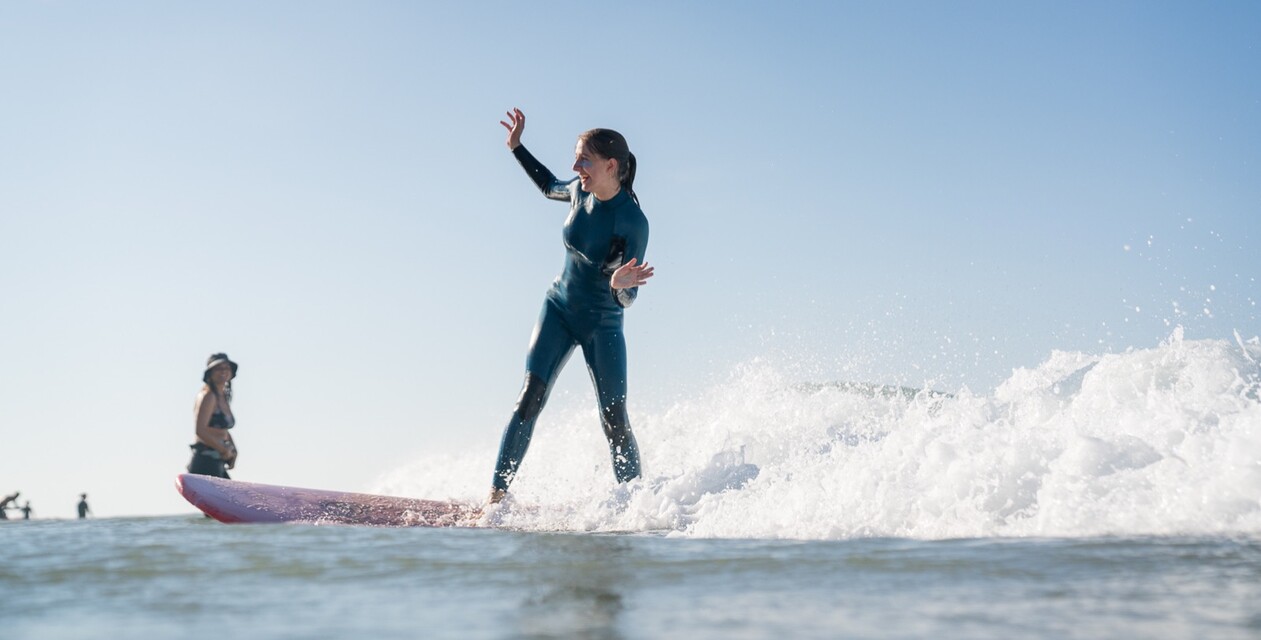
point(627, 279)
point(543, 178)
point(229, 443)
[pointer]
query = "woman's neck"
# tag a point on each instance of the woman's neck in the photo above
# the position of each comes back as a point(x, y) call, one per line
point(606, 193)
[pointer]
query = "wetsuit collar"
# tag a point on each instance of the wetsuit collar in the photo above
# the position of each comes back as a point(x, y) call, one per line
point(617, 197)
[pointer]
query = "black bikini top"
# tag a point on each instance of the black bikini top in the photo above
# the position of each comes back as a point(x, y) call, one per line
point(219, 420)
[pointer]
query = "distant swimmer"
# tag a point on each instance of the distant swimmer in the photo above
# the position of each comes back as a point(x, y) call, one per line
point(11, 499)
point(215, 450)
point(605, 237)
point(83, 506)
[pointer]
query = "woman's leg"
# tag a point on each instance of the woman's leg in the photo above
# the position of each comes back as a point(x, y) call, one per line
point(550, 346)
point(605, 352)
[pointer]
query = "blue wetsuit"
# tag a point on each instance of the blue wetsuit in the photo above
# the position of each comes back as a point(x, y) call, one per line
point(581, 309)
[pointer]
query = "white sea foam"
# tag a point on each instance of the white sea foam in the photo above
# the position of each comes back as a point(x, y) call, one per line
point(1165, 440)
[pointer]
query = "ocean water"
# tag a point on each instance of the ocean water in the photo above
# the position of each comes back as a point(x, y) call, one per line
point(185, 577)
point(1093, 496)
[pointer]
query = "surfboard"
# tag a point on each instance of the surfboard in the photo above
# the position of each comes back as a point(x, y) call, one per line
point(235, 501)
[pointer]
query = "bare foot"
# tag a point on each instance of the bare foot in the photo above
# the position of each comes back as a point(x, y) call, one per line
point(496, 496)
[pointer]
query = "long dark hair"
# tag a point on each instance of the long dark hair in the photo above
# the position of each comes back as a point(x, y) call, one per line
point(227, 391)
point(608, 143)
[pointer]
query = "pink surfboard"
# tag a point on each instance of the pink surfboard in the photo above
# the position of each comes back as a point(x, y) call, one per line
point(236, 501)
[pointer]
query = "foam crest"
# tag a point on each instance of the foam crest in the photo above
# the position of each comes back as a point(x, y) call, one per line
point(1164, 440)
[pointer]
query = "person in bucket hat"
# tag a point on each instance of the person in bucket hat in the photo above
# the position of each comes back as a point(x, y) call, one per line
point(214, 452)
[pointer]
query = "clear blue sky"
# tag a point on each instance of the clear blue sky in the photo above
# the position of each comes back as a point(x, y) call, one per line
point(916, 193)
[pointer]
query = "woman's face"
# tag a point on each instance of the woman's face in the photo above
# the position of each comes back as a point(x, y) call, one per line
point(221, 374)
point(595, 173)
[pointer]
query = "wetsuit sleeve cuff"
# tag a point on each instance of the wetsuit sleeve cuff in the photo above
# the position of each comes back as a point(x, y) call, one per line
point(625, 297)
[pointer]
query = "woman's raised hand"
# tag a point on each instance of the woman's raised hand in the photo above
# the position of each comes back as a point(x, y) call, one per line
point(631, 274)
point(515, 126)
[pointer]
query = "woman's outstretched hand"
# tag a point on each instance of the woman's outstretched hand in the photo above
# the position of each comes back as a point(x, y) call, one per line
point(515, 126)
point(631, 274)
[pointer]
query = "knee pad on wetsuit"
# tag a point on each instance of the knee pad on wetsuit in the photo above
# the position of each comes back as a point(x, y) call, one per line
point(533, 397)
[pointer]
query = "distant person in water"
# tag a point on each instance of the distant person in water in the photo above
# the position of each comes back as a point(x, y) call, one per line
point(26, 511)
point(605, 237)
point(83, 506)
point(215, 451)
point(6, 501)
